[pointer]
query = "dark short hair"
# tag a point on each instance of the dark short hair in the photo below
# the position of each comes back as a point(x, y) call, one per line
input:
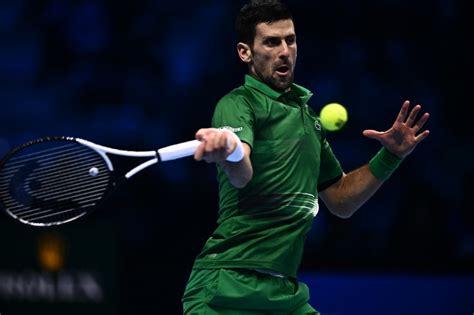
point(259, 11)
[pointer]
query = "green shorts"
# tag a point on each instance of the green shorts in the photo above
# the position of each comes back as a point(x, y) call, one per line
point(243, 291)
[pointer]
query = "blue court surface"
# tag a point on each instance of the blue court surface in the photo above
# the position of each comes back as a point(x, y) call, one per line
point(376, 294)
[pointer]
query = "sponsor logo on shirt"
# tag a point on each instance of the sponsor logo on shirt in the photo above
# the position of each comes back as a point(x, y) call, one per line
point(238, 129)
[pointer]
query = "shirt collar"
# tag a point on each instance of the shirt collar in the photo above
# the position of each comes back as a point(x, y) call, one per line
point(299, 91)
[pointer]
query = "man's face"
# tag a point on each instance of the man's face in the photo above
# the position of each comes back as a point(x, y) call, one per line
point(273, 54)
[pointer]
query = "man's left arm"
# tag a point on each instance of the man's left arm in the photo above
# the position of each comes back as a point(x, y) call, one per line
point(352, 190)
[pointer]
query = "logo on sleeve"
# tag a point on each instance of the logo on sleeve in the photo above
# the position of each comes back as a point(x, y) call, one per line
point(238, 129)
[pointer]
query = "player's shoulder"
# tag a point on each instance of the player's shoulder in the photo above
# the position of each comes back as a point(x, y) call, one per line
point(239, 95)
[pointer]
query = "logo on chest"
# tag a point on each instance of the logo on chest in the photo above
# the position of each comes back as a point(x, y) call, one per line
point(317, 125)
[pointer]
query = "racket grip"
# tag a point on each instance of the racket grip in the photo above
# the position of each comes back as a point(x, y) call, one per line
point(178, 151)
point(188, 148)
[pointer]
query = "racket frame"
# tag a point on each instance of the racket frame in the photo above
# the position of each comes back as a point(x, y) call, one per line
point(163, 154)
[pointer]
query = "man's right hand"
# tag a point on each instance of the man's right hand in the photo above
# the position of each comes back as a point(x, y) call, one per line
point(216, 145)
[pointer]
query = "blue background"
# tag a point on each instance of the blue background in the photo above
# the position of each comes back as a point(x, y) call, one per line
point(145, 74)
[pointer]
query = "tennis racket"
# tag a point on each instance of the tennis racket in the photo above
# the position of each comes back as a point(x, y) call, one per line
point(54, 180)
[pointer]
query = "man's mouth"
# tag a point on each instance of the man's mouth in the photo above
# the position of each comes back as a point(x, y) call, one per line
point(282, 70)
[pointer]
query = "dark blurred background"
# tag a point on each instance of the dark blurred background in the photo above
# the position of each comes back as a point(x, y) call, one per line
point(139, 75)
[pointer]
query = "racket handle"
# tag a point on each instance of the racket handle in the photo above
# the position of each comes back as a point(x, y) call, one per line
point(188, 148)
point(179, 150)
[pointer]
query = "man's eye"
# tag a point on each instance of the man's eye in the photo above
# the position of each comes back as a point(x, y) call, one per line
point(291, 40)
point(273, 42)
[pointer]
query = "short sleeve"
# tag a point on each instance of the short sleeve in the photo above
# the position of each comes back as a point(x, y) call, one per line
point(234, 112)
point(330, 169)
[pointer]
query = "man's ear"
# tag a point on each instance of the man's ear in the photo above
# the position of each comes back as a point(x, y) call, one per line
point(244, 52)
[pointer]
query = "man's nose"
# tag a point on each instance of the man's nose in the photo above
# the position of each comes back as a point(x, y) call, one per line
point(285, 50)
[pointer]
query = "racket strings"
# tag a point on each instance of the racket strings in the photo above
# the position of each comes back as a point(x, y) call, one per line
point(53, 183)
point(56, 189)
point(38, 213)
point(45, 154)
point(53, 171)
point(50, 159)
point(71, 191)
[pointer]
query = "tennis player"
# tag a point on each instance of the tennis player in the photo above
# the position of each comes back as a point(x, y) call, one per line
point(269, 198)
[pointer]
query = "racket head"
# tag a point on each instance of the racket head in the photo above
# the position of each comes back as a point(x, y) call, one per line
point(53, 180)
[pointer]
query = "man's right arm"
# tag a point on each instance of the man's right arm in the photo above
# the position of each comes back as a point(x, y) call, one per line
point(216, 146)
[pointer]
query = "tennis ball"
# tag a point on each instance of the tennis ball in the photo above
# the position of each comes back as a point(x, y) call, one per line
point(333, 116)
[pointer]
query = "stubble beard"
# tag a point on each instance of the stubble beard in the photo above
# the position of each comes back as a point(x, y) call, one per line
point(274, 81)
point(282, 84)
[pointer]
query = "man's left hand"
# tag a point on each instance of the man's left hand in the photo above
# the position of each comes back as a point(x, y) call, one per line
point(402, 138)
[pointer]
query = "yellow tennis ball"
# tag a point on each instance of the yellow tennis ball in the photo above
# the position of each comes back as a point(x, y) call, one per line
point(333, 116)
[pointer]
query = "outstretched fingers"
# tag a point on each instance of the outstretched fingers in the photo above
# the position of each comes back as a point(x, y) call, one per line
point(422, 136)
point(412, 117)
point(411, 120)
point(416, 125)
point(402, 137)
point(421, 122)
point(373, 134)
point(403, 112)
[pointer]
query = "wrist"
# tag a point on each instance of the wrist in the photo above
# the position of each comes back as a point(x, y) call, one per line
point(383, 164)
point(238, 153)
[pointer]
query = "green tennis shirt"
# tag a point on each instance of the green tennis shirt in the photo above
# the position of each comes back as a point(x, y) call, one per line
point(264, 224)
